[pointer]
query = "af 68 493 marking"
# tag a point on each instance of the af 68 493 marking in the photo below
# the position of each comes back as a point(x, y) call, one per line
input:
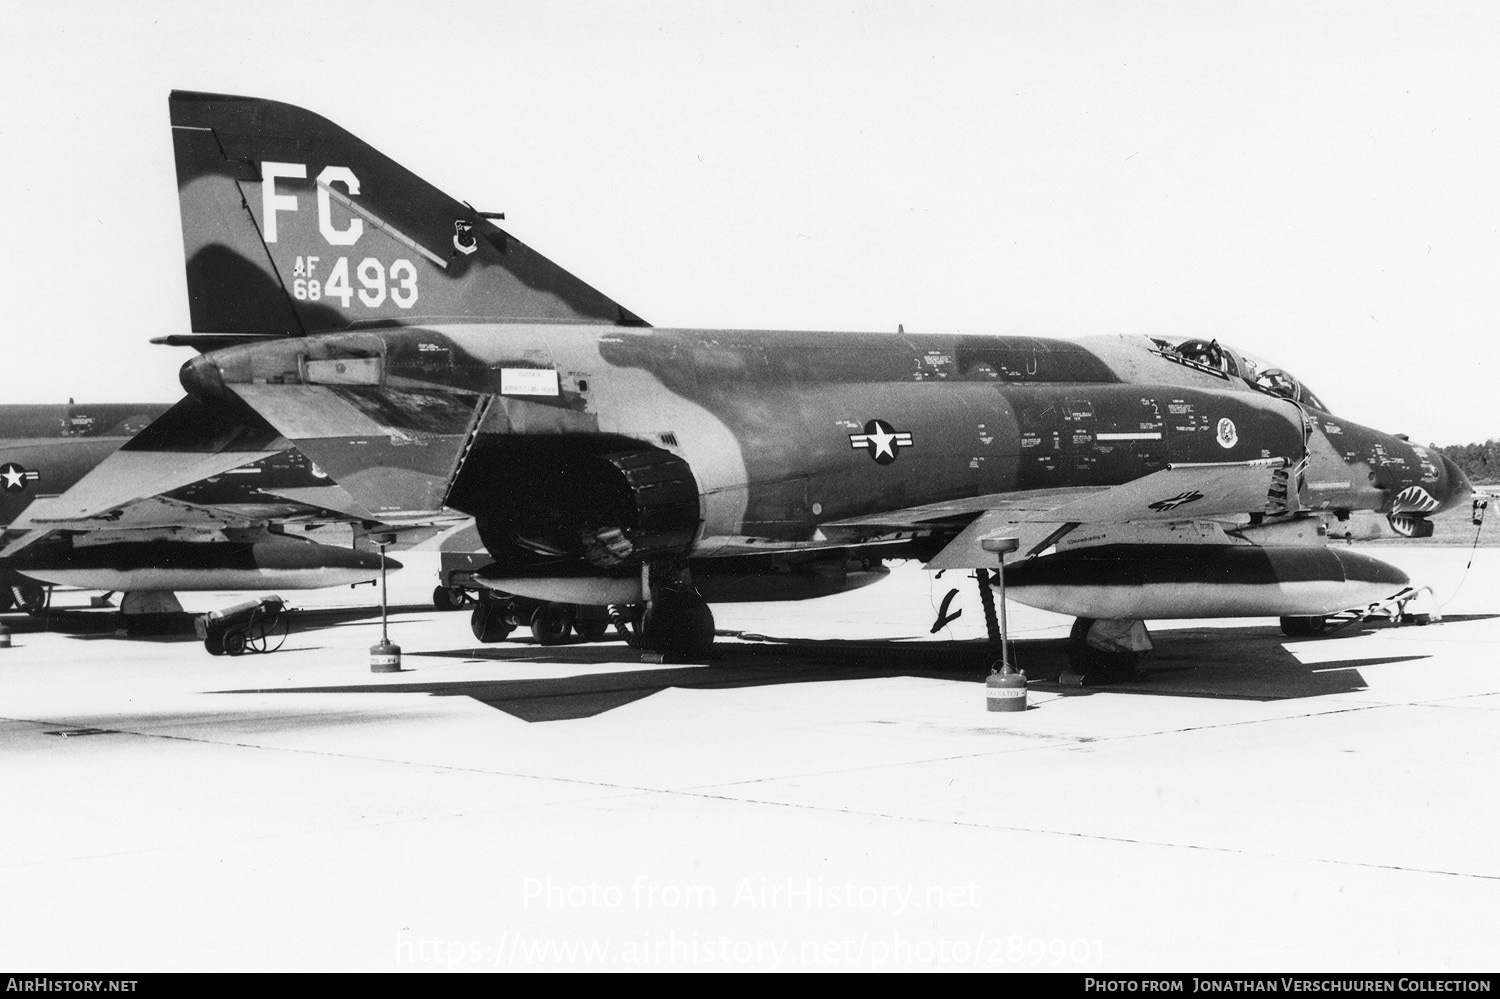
point(376, 281)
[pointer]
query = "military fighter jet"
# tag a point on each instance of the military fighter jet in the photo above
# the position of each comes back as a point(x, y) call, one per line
point(425, 360)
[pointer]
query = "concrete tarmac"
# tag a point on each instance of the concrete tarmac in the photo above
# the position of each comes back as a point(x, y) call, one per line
point(829, 792)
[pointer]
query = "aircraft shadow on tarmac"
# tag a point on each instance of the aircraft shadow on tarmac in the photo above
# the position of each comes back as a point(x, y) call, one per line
point(1251, 663)
point(95, 624)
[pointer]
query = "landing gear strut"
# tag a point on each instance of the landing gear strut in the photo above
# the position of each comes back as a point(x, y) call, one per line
point(987, 601)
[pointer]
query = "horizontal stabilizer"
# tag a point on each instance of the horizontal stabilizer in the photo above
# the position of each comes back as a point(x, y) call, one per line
point(393, 452)
point(334, 498)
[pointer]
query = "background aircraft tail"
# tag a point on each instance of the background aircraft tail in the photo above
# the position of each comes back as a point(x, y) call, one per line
point(291, 225)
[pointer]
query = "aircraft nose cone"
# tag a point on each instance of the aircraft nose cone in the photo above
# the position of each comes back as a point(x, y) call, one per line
point(1459, 490)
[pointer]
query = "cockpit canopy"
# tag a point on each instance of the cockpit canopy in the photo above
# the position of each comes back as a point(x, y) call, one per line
point(1252, 370)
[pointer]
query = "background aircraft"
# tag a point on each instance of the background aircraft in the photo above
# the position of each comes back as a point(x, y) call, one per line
point(218, 524)
point(44, 450)
point(608, 463)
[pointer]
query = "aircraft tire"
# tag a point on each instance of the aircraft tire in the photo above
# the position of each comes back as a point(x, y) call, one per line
point(1078, 637)
point(1303, 627)
point(33, 597)
point(551, 624)
point(488, 622)
point(591, 629)
point(1095, 667)
point(678, 622)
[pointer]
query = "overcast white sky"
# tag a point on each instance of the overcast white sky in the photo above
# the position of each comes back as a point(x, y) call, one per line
point(1312, 182)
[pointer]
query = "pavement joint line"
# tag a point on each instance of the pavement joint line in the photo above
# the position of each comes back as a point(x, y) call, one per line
point(1453, 702)
point(1059, 742)
point(292, 833)
point(1125, 840)
point(449, 767)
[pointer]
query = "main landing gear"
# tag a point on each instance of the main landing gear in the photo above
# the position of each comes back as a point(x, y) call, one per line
point(674, 622)
point(495, 616)
point(674, 619)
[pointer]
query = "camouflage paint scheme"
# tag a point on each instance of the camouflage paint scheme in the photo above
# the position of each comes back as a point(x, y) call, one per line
point(421, 360)
point(274, 197)
point(763, 422)
point(242, 272)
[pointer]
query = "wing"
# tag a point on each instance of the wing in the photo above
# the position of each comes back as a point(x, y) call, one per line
point(393, 451)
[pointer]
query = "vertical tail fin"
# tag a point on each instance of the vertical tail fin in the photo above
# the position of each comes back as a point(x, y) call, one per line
point(292, 225)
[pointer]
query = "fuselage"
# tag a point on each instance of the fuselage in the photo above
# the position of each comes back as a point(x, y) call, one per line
point(783, 433)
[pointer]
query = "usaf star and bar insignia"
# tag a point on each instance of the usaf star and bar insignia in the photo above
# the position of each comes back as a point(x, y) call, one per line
point(881, 441)
point(13, 477)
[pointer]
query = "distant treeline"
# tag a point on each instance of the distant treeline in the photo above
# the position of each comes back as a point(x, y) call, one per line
point(1480, 462)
